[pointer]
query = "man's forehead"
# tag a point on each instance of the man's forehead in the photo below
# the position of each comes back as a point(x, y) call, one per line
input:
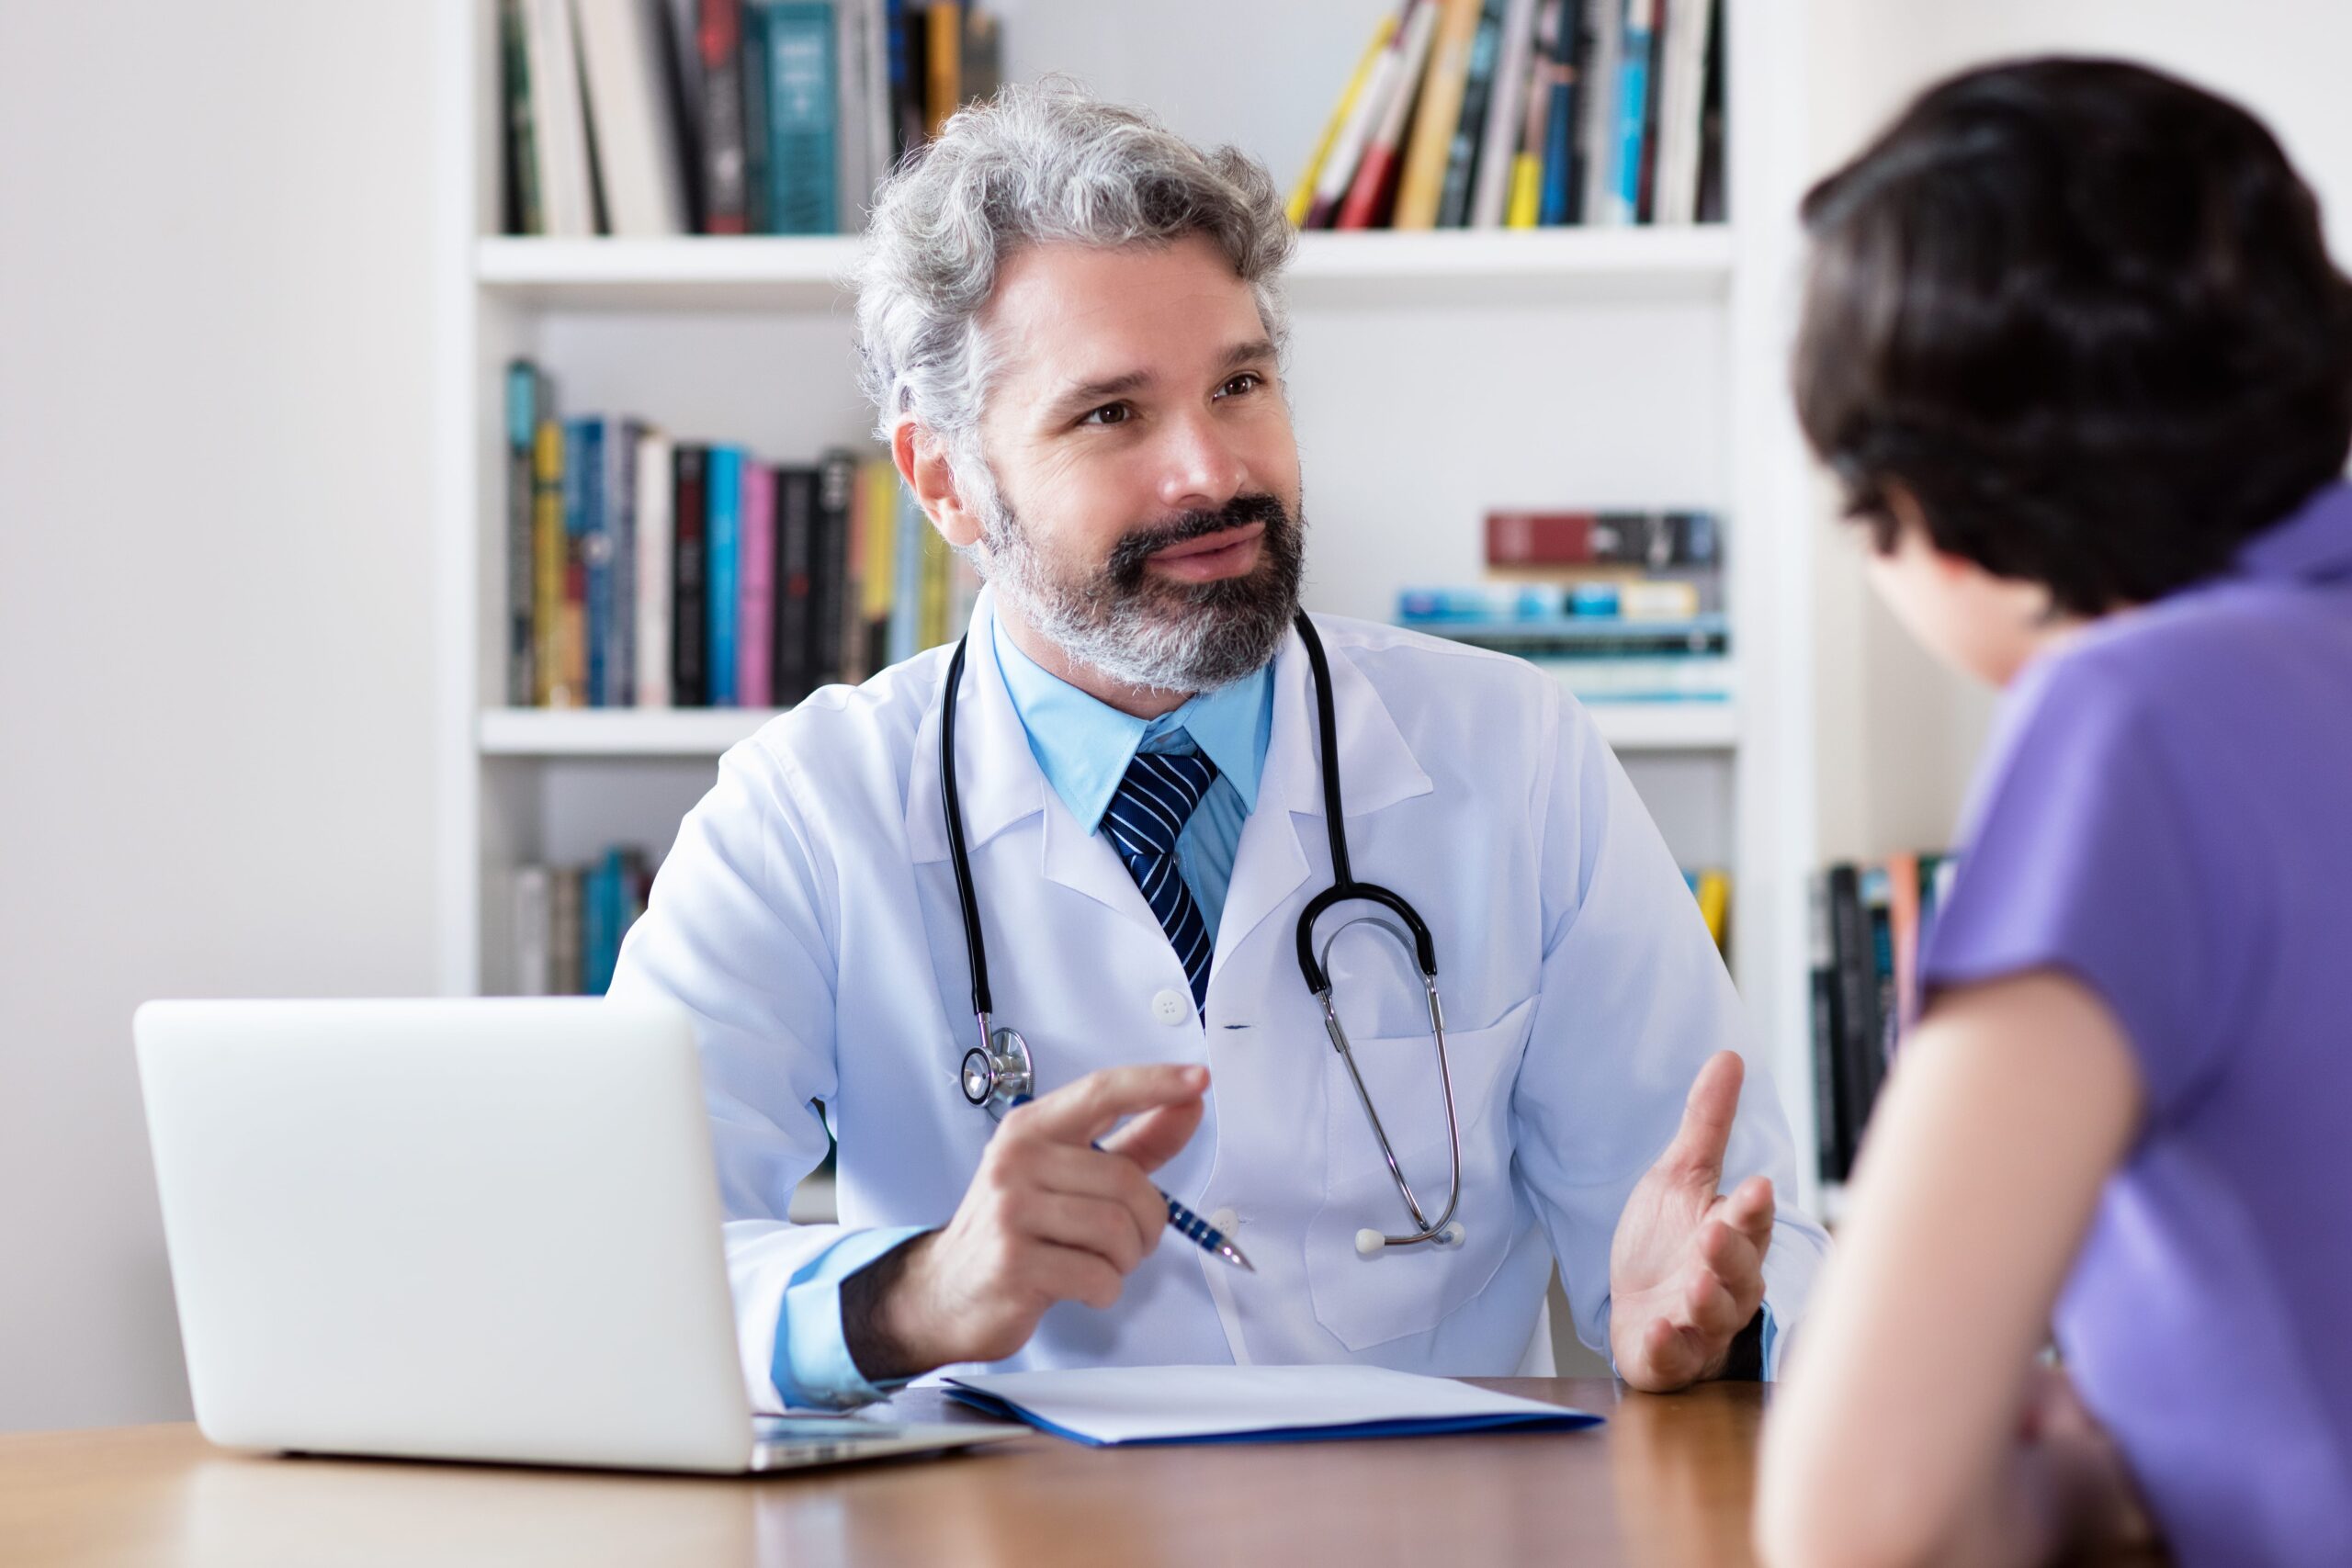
point(1065, 313)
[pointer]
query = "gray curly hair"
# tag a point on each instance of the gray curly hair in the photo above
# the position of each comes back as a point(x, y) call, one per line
point(1038, 163)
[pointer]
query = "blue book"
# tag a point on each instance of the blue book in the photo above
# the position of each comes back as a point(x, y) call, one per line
point(597, 940)
point(801, 81)
point(906, 573)
point(723, 570)
point(1560, 198)
point(1632, 95)
point(586, 521)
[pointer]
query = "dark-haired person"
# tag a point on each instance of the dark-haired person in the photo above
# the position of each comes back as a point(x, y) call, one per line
point(2075, 348)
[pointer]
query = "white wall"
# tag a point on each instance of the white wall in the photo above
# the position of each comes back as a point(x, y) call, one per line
point(1899, 735)
point(215, 315)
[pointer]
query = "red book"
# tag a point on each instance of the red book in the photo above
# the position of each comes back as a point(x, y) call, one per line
point(1540, 538)
point(726, 172)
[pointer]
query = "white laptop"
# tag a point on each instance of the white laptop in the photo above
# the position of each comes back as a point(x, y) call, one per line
point(466, 1230)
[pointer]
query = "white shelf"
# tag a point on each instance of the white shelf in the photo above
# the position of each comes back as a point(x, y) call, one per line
point(1373, 270)
point(706, 732)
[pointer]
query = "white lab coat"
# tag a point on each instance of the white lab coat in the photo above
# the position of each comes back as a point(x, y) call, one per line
point(808, 917)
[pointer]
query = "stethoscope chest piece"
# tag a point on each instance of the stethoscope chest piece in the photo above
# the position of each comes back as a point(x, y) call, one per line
point(997, 1075)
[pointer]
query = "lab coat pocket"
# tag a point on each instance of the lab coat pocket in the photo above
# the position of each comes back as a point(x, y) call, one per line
point(1399, 1291)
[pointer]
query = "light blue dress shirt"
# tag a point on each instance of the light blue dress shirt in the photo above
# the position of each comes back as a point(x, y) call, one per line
point(1084, 746)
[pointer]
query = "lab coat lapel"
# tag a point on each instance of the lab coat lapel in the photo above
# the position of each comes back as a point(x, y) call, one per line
point(1377, 769)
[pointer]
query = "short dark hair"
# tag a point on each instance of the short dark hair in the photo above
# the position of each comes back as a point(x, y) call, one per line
point(2082, 311)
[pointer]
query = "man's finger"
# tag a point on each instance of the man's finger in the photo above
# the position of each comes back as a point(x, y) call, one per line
point(1748, 1208)
point(1084, 1112)
point(1732, 1259)
point(1707, 1117)
point(1710, 1311)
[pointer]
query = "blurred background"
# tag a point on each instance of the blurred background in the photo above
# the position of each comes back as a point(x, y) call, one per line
point(264, 731)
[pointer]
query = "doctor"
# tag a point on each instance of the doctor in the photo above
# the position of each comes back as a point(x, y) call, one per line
point(1072, 322)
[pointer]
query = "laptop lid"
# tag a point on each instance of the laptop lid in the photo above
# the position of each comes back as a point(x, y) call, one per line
point(460, 1229)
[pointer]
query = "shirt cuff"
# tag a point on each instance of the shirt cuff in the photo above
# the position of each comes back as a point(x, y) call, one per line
point(1771, 1344)
point(812, 1366)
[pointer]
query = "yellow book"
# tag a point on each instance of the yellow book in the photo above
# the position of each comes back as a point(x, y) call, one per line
point(930, 628)
point(1302, 195)
point(548, 686)
point(1526, 191)
point(1423, 183)
point(944, 49)
point(1714, 906)
point(880, 477)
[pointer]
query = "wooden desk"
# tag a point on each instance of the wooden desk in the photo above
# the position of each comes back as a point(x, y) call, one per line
point(1666, 1481)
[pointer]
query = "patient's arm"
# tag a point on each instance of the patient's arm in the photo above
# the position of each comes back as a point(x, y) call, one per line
point(1909, 1429)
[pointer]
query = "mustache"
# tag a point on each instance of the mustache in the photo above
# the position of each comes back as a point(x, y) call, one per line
point(1135, 547)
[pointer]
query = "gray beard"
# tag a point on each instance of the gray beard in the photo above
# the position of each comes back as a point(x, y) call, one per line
point(1155, 636)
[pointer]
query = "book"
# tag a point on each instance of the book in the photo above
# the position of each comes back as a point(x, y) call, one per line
point(1653, 540)
point(1420, 183)
point(759, 586)
point(1623, 194)
point(795, 630)
point(758, 149)
point(584, 522)
point(1372, 194)
point(980, 68)
point(566, 927)
point(1469, 133)
point(877, 122)
point(550, 554)
point(565, 177)
point(534, 931)
point(1599, 54)
point(625, 70)
point(1506, 115)
point(1902, 927)
point(1302, 195)
point(942, 62)
point(522, 499)
point(1524, 208)
point(799, 106)
point(1711, 205)
point(520, 210)
point(1858, 1062)
point(722, 569)
point(831, 579)
point(1370, 111)
point(656, 544)
point(1564, 172)
point(689, 620)
point(621, 437)
point(1682, 52)
point(1831, 1142)
point(1715, 908)
point(852, 177)
point(725, 156)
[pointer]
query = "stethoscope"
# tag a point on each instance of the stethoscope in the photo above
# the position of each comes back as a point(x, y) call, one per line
point(999, 1073)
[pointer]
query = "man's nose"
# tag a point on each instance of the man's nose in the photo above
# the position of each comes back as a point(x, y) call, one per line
point(1201, 469)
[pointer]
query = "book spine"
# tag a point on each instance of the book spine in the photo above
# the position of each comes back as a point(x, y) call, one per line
point(579, 527)
point(880, 128)
point(596, 936)
point(755, 623)
point(628, 106)
point(1302, 195)
point(944, 61)
point(753, 74)
point(1828, 1117)
point(1421, 183)
point(800, 115)
point(657, 543)
point(566, 897)
point(854, 664)
point(829, 572)
point(520, 161)
point(550, 547)
point(620, 512)
point(1477, 95)
point(979, 71)
point(722, 567)
point(881, 574)
point(1526, 205)
point(522, 506)
point(1632, 109)
point(932, 628)
point(796, 506)
point(689, 624)
point(1878, 900)
point(1598, 54)
point(595, 548)
point(1340, 170)
point(718, 38)
point(1858, 1055)
point(1506, 116)
point(533, 931)
point(1373, 194)
point(853, 184)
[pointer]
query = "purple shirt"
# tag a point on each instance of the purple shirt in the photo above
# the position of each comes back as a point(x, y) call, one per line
point(2166, 814)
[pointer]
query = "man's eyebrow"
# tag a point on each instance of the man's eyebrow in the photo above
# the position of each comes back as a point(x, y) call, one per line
point(1088, 393)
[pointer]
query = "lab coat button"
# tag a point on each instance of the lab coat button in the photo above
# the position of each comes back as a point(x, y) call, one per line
point(1226, 1220)
point(1171, 1006)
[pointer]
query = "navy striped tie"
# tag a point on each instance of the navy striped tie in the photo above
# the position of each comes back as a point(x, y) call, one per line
point(1146, 816)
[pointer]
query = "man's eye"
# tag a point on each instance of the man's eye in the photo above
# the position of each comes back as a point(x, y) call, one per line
point(1247, 382)
point(1109, 413)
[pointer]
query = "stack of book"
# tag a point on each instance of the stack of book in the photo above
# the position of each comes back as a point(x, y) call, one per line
point(568, 921)
point(1712, 887)
point(1622, 606)
point(1869, 924)
point(1521, 113)
point(652, 118)
point(648, 572)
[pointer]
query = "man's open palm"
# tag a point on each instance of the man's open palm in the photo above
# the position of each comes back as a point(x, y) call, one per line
point(1686, 1269)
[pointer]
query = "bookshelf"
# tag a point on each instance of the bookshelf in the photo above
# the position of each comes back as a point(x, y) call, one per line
point(1632, 369)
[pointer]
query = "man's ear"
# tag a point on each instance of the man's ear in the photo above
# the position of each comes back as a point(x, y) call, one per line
point(921, 460)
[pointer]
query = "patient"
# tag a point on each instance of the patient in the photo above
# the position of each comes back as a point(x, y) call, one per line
point(2075, 352)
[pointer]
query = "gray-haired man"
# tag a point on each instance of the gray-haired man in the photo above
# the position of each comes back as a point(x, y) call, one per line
point(1072, 326)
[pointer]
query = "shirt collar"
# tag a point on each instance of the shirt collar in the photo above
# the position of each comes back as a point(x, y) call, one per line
point(1083, 746)
point(2312, 543)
